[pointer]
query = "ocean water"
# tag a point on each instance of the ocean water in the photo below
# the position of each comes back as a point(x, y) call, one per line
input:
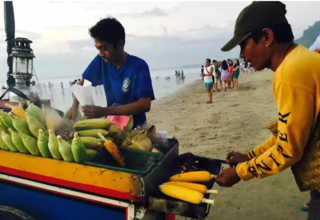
point(62, 98)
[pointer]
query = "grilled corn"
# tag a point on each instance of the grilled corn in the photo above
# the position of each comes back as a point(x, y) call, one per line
point(184, 194)
point(195, 176)
point(113, 150)
point(194, 186)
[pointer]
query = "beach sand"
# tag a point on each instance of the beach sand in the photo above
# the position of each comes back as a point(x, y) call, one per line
point(234, 121)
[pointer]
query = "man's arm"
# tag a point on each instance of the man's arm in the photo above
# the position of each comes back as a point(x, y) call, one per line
point(210, 72)
point(296, 116)
point(257, 151)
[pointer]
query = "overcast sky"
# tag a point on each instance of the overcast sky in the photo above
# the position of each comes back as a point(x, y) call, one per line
point(165, 34)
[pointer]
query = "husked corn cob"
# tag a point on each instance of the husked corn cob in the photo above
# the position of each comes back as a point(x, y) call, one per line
point(194, 176)
point(95, 123)
point(17, 110)
point(184, 194)
point(113, 150)
point(194, 186)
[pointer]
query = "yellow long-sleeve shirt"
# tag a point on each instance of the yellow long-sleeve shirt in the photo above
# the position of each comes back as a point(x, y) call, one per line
point(296, 88)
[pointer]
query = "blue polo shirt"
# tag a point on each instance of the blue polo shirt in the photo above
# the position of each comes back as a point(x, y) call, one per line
point(125, 85)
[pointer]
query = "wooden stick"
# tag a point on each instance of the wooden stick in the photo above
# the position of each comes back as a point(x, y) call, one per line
point(208, 201)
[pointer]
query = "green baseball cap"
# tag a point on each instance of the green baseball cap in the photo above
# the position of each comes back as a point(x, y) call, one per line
point(255, 17)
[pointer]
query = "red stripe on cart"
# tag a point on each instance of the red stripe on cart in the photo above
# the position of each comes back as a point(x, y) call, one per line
point(69, 184)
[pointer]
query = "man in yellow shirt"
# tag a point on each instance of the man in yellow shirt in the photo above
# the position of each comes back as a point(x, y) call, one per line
point(266, 40)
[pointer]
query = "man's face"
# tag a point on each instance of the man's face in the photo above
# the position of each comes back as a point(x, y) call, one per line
point(207, 63)
point(257, 54)
point(107, 51)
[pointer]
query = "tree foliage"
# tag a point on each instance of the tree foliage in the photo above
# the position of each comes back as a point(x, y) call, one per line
point(309, 35)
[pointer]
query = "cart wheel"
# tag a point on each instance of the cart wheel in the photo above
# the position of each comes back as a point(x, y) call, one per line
point(13, 214)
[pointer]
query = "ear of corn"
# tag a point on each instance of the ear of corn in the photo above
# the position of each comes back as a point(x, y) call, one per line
point(54, 146)
point(17, 141)
point(113, 150)
point(37, 113)
point(17, 110)
point(91, 152)
point(92, 133)
point(7, 140)
point(184, 194)
point(7, 121)
point(43, 142)
point(20, 125)
point(31, 144)
point(65, 149)
point(90, 142)
point(194, 186)
point(96, 123)
point(130, 124)
point(2, 125)
point(3, 146)
point(78, 149)
point(34, 125)
point(195, 176)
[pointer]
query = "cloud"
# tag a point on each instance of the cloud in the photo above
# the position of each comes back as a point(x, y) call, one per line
point(20, 33)
point(155, 12)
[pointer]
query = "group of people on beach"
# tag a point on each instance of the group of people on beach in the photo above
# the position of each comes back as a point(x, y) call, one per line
point(226, 72)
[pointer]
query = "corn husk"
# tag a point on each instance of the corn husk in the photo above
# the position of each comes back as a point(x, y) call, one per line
point(90, 142)
point(3, 146)
point(31, 144)
point(92, 133)
point(65, 150)
point(43, 141)
point(91, 152)
point(17, 141)
point(7, 121)
point(96, 123)
point(34, 125)
point(20, 125)
point(78, 149)
point(54, 146)
point(37, 113)
point(7, 140)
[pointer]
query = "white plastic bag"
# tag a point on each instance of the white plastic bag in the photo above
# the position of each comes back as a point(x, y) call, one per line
point(83, 93)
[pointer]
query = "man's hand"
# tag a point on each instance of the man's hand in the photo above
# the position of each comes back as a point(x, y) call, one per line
point(228, 177)
point(72, 113)
point(92, 111)
point(234, 158)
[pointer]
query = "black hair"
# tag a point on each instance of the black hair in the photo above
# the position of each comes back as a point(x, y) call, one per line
point(109, 30)
point(231, 61)
point(214, 61)
point(224, 65)
point(237, 62)
point(208, 60)
point(283, 33)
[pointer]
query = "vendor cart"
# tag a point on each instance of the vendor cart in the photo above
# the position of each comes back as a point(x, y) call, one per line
point(47, 189)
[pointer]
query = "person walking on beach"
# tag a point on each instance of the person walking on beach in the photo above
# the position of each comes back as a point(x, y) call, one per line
point(230, 74)
point(236, 73)
point(225, 74)
point(268, 42)
point(217, 76)
point(207, 79)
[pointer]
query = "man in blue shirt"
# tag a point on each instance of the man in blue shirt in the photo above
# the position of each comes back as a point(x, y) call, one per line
point(125, 78)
